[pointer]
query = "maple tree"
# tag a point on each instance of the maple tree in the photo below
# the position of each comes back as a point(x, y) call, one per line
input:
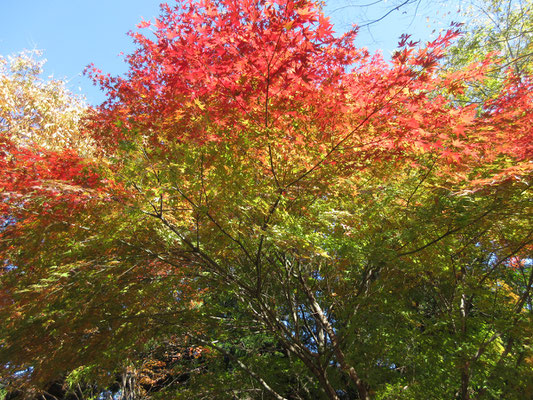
point(293, 216)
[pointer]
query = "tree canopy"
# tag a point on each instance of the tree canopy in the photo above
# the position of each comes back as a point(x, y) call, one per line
point(266, 210)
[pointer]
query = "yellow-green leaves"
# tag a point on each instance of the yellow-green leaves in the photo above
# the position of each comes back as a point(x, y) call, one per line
point(34, 110)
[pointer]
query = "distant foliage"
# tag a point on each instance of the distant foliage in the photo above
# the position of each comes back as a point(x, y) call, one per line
point(35, 110)
point(503, 29)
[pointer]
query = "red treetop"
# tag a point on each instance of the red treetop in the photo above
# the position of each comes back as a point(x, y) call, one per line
point(212, 70)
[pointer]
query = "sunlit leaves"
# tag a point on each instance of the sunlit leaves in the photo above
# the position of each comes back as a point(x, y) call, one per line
point(269, 192)
point(34, 110)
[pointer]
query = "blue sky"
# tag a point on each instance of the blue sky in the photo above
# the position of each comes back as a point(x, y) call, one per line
point(75, 33)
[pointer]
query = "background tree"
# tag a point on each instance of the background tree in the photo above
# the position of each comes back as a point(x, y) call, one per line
point(34, 110)
point(502, 28)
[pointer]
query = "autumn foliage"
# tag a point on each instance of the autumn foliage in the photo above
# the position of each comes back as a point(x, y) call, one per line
point(290, 208)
